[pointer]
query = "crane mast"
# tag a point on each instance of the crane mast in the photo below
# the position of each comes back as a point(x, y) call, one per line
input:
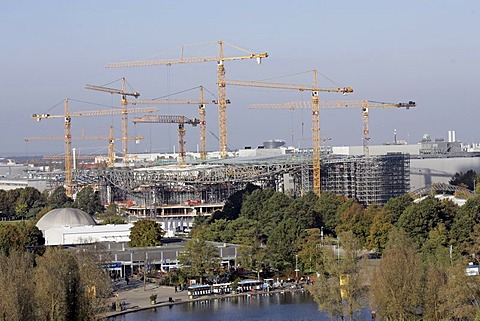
point(123, 92)
point(201, 114)
point(67, 116)
point(364, 105)
point(221, 83)
point(314, 105)
point(170, 119)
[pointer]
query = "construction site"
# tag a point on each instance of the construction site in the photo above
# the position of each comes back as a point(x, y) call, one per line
point(212, 176)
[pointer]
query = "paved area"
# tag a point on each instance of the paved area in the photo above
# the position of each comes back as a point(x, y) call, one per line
point(133, 296)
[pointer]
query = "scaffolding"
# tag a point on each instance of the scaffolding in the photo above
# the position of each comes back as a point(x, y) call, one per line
point(369, 180)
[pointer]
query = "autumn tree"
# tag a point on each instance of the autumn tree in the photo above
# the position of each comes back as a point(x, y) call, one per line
point(146, 233)
point(199, 258)
point(16, 301)
point(340, 289)
point(74, 289)
point(396, 286)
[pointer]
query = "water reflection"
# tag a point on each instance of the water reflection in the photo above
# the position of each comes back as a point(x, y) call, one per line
point(269, 306)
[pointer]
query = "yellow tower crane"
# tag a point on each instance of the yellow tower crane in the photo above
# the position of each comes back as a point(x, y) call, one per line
point(201, 114)
point(67, 116)
point(111, 142)
point(169, 119)
point(123, 92)
point(221, 81)
point(315, 114)
point(364, 105)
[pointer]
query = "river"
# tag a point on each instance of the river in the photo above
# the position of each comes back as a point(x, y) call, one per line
point(297, 305)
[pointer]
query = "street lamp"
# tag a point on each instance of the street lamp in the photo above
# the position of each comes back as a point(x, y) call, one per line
point(296, 267)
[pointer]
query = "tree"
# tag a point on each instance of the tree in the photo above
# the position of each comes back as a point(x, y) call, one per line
point(397, 205)
point(146, 233)
point(89, 201)
point(20, 237)
point(419, 219)
point(29, 202)
point(396, 286)
point(463, 225)
point(253, 258)
point(199, 258)
point(76, 289)
point(59, 198)
point(231, 209)
point(16, 301)
point(310, 255)
point(380, 230)
point(282, 244)
point(328, 206)
point(466, 179)
point(354, 218)
point(113, 220)
point(340, 288)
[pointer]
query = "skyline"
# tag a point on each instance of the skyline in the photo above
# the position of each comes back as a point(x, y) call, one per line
point(390, 52)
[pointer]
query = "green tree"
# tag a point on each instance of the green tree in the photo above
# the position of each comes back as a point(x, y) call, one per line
point(463, 225)
point(283, 245)
point(113, 220)
point(354, 218)
point(89, 201)
point(397, 205)
point(199, 258)
point(231, 209)
point(466, 179)
point(396, 286)
point(253, 258)
point(59, 198)
point(29, 202)
point(419, 219)
point(328, 206)
point(146, 233)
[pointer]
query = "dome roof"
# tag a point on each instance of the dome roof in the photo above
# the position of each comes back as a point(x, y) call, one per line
point(64, 217)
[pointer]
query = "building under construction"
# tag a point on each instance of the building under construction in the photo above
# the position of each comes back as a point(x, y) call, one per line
point(369, 180)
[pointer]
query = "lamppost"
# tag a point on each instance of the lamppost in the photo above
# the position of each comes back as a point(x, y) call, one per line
point(296, 267)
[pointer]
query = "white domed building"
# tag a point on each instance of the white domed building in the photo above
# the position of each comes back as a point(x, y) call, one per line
point(68, 226)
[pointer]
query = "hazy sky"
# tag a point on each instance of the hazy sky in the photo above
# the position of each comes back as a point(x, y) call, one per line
point(391, 51)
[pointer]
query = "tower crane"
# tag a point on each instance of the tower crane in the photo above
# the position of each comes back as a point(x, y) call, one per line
point(123, 92)
point(169, 119)
point(221, 81)
point(364, 105)
point(315, 114)
point(201, 114)
point(111, 142)
point(67, 116)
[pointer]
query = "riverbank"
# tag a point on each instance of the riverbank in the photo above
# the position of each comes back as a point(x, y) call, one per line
point(134, 297)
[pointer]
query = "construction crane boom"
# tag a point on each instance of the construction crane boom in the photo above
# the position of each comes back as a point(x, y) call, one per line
point(67, 116)
point(315, 114)
point(201, 114)
point(171, 119)
point(123, 92)
point(365, 105)
point(220, 59)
